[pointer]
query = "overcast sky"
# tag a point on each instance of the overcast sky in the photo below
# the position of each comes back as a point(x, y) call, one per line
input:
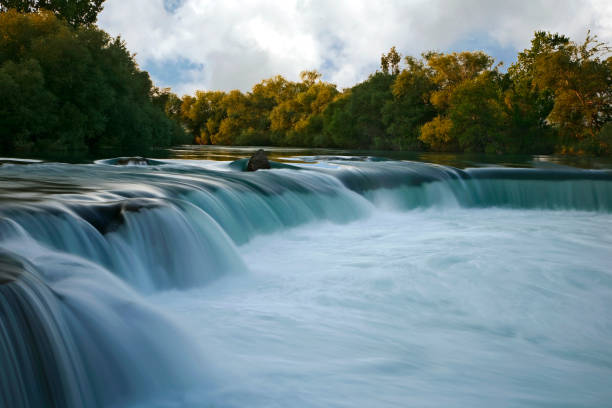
point(230, 44)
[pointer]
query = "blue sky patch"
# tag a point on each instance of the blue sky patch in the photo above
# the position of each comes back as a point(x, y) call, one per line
point(482, 42)
point(172, 5)
point(172, 72)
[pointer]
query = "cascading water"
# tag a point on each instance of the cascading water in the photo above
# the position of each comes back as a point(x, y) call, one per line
point(137, 285)
point(73, 335)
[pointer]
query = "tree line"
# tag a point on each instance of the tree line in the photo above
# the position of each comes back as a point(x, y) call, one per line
point(66, 84)
point(557, 97)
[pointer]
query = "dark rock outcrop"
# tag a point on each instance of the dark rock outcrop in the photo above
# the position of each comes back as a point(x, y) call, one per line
point(109, 217)
point(132, 161)
point(258, 161)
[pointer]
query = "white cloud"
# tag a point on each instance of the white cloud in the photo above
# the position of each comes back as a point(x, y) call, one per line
point(235, 44)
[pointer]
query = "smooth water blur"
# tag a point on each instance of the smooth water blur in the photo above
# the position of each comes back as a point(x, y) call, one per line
point(335, 279)
point(427, 308)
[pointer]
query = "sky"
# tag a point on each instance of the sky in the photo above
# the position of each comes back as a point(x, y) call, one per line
point(191, 45)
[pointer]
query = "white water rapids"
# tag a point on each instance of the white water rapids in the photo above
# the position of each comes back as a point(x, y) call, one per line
point(380, 284)
point(426, 309)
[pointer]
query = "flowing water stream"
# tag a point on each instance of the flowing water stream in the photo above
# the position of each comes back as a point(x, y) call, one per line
point(328, 281)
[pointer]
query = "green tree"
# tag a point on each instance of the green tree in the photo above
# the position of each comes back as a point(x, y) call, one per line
point(169, 103)
point(238, 118)
point(604, 140)
point(449, 72)
point(476, 111)
point(527, 105)
point(409, 109)
point(26, 110)
point(84, 86)
point(264, 97)
point(75, 12)
point(355, 120)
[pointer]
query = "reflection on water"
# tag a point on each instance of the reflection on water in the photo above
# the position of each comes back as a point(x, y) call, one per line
point(309, 155)
point(459, 160)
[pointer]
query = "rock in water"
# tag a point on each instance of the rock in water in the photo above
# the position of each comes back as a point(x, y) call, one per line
point(132, 161)
point(258, 161)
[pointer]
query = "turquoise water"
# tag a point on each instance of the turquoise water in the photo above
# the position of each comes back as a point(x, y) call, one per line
point(328, 281)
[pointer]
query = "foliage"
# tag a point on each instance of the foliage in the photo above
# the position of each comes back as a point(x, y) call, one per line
point(75, 12)
point(167, 102)
point(479, 121)
point(389, 62)
point(65, 84)
point(450, 70)
point(437, 134)
point(299, 118)
point(465, 98)
point(528, 105)
point(442, 102)
point(604, 140)
point(202, 115)
point(410, 107)
point(68, 88)
point(581, 81)
point(355, 121)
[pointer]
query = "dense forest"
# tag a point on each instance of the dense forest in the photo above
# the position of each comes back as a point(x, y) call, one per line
point(66, 84)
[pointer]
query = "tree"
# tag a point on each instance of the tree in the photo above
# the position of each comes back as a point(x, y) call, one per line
point(438, 136)
point(26, 110)
point(75, 12)
point(528, 105)
point(476, 111)
point(541, 44)
point(409, 109)
point(451, 73)
point(445, 102)
point(237, 119)
point(581, 81)
point(355, 120)
point(309, 78)
point(449, 70)
point(170, 104)
point(389, 62)
point(298, 119)
point(74, 89)
point(527, 109)
point(604, 139)
point(202, 115)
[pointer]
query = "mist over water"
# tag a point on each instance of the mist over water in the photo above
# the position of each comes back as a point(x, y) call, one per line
point(324, 282)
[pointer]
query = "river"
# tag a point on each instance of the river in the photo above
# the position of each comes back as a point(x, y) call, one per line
point(335, 279)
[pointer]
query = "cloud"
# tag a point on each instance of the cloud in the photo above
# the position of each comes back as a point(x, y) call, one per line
point(231, 44)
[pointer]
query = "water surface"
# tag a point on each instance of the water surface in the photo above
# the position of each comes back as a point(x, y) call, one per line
point(335, 279)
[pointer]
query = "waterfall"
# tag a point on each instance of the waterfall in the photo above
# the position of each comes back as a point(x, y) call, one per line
point(73, 335)
point(81, 246)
